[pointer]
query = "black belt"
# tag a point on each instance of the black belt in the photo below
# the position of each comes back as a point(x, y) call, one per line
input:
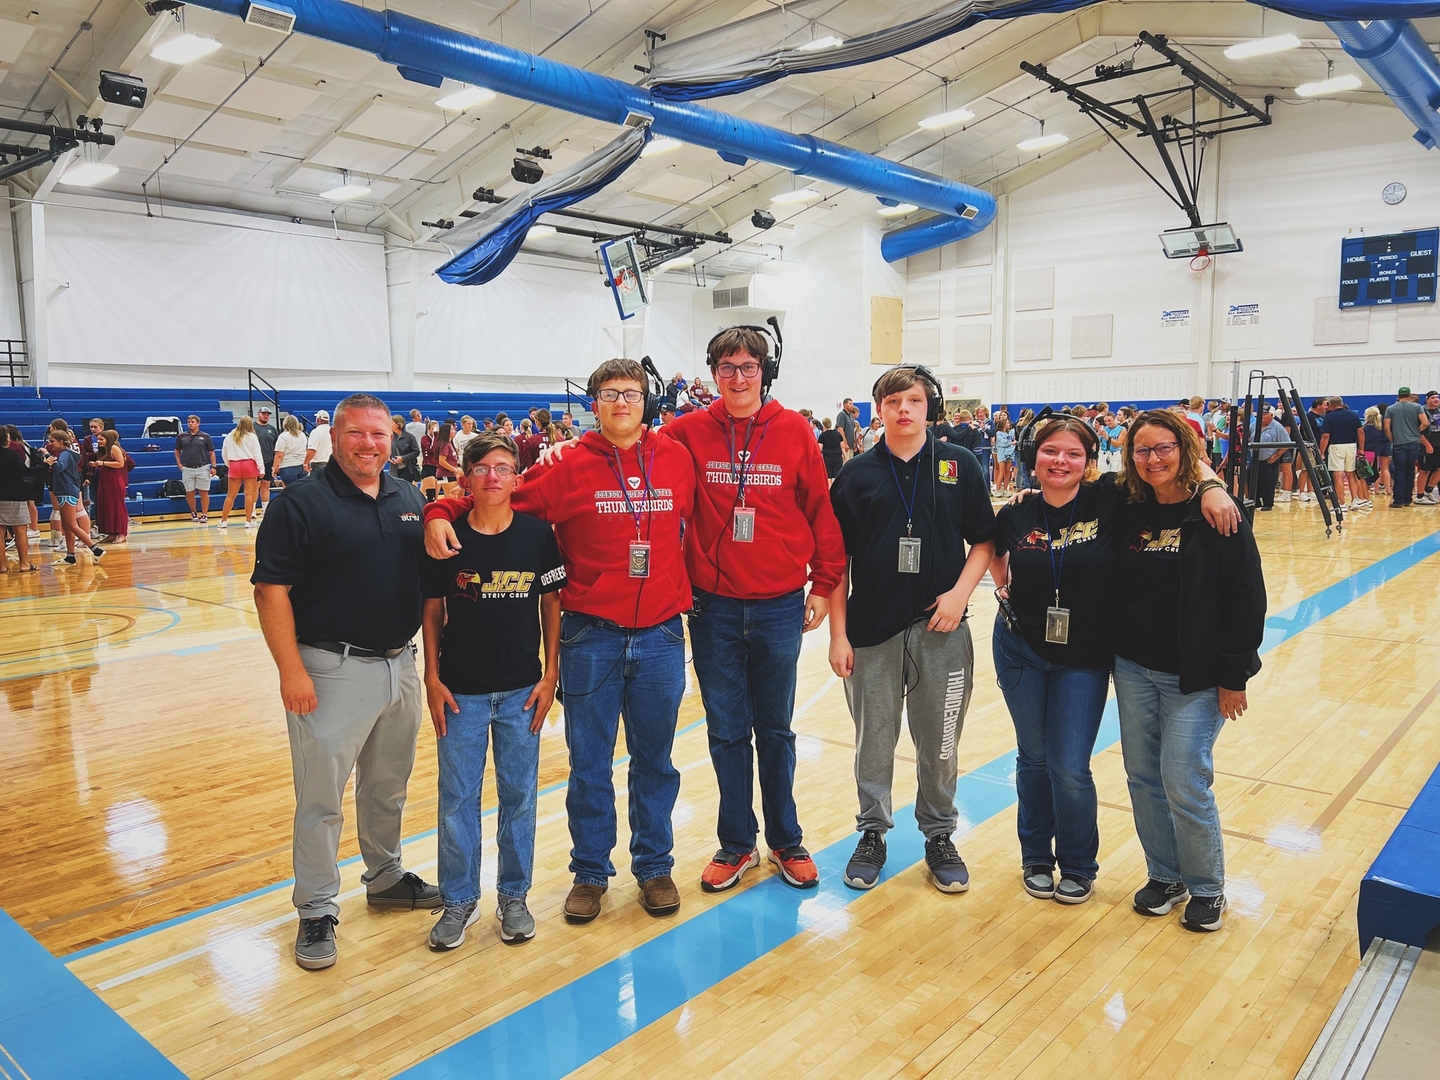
point(346, 649)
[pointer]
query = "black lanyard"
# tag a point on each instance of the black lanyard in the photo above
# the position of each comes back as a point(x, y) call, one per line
point(624, 488)
point(914, 487)
point(741, 473)
point(1057, 571)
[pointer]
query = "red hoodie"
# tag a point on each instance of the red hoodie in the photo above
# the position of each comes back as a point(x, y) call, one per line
point(797, 537)
point(581, 497)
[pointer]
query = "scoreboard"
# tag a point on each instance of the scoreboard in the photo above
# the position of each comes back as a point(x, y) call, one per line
point(1394, 269)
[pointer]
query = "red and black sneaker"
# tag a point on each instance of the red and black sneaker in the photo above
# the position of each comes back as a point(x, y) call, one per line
point(726, 869)
point(796, 867)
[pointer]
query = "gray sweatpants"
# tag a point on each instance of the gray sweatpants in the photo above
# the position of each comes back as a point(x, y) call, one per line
point(367, 721)
point(937, 668)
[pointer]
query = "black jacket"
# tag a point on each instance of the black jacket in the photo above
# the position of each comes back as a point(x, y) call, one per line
point(1222, 605)
point(407, 450)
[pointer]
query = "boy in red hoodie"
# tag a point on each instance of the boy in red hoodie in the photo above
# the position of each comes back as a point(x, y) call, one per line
point(618, 502)
point(763, 528)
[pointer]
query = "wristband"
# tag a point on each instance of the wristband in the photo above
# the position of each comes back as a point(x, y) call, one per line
point(1206, 485)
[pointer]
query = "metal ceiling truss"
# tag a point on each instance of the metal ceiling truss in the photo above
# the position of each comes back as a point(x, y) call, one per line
point(660, 242)
point(1189, 138)
point(62, 141)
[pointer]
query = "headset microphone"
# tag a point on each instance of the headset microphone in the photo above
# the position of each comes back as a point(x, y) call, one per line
point(654, 393)
point(770, 366)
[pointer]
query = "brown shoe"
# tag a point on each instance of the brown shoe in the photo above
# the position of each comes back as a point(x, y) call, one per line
point(583, 903)
point(659, 896)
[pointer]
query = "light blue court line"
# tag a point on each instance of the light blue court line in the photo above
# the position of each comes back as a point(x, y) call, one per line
point(194, 650)
point(56, 1028)
point(135, 935)
point(574, 1024)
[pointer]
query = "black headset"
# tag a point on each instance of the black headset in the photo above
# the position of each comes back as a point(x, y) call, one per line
point(935, 403)
point(654, 393)
point(770, 365)
point(1029, 439)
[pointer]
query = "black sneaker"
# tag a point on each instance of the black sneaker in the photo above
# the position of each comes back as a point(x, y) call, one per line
point(96, 552)
point(315, 943)
point(1203, 913)
point(409, 892)
point(863, 869)
point(69, 560)
point(947, 869)
point(1161, 897)
point(1039, 881)
point(1072, 889)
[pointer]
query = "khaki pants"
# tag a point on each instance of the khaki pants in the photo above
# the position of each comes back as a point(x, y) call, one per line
point(366, 722)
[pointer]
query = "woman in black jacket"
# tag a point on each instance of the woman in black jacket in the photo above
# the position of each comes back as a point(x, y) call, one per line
point(1191, 623)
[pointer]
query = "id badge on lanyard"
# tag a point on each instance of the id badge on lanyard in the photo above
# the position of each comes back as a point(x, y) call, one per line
point(742, 526)
point(639, 558)
point(909, 555)
point(1057, 625)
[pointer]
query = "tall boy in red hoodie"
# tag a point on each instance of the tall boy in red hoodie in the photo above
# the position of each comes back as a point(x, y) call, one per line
point(763, 528)
point(618, 502)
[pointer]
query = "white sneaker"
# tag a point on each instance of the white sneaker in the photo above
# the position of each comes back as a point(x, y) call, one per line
point(1363, 504)
point(32, 534)
point(1282, 496)
point(249, 525)
point(223, 525)
point(1429, 499)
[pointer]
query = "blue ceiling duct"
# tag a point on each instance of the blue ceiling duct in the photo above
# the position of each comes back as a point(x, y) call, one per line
point(1393, 53)
point(426, 52)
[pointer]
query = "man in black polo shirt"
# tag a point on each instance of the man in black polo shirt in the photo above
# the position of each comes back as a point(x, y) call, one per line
point(268, 434)
point(337, 587)
point(897, 631)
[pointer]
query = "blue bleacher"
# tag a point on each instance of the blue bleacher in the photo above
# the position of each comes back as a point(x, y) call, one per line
point(31, 409)
point(1400, 895)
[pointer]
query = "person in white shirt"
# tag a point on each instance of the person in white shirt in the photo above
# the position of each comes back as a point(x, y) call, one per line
point(244, 462)
point(464, 435)
point(317, 456)
point(416, 426)
point(290, 447)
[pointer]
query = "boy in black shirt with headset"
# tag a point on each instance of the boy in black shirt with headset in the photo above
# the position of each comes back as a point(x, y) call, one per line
point(897, 631)
point(484, 611)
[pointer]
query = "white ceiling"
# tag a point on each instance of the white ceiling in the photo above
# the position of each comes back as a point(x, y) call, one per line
point(269, 141)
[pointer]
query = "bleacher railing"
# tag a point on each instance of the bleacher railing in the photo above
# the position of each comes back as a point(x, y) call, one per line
point(16, 359)
point(267, 392)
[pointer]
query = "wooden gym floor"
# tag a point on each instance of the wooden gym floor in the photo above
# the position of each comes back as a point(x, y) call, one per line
point(146, 781)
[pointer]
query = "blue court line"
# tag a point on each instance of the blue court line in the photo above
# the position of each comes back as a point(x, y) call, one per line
point(575, 1023)
point(135, 935)
point(57, 1028)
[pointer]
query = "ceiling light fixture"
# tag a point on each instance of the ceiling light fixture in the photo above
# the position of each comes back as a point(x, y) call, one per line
point(1042, 141)
point(1335, 85)
point(1262, 46)
point(946, 119)
point(660, 144)
point(897, 211)
point(87, 173)
point(183, 49)
point(346, 191)
point(467, 97)
point(829, 41)
point(800, 195)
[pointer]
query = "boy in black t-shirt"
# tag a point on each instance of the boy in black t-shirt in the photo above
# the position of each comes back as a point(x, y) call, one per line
point(484, 612)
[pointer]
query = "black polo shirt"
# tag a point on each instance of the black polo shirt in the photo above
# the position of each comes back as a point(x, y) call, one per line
point(352, 562)
point(951, 508)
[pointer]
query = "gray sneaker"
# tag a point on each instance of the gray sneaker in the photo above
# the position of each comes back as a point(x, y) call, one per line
point(315, 943)
point(517, 925)
point(449, 932)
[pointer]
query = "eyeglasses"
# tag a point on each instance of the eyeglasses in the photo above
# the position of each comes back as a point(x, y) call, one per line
point(503, 472)
point(632, 397)
point(1160, 450)
point(728, 371)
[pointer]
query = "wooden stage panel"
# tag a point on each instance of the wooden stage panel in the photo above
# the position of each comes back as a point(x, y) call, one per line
point(146, 771)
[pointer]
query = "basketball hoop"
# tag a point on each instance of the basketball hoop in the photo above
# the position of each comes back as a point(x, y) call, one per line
point(1201, 261)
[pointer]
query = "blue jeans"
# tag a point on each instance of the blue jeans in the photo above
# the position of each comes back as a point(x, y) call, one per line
point(482, 718)
point(1402, 471)
point(1057, 712)
point(1168, 739)
point(291, 473)
point(608, 673)
point(746, 652)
